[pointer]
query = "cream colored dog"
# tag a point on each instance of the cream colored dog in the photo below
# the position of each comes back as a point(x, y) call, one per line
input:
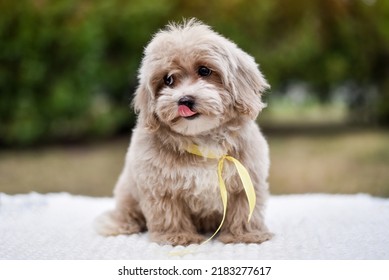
point(195, 87)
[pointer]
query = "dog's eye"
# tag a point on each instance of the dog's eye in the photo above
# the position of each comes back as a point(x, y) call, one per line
point(204, 71)
point(168, 80)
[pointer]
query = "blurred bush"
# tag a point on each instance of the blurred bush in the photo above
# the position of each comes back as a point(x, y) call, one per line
point(68, 68)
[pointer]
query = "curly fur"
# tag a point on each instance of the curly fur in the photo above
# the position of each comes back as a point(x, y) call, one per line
point(168, 191)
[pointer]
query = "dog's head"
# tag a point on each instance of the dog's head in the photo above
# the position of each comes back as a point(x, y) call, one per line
point(194, 80)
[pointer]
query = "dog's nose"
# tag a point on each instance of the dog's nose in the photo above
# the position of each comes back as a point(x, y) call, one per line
point(187, 100)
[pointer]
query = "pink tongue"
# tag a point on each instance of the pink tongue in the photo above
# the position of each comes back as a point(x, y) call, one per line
point(184, 111)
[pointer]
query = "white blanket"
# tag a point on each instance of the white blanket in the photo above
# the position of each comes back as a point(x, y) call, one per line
point(312, 226)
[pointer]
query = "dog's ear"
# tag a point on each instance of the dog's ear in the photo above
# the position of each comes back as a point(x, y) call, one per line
point(248, 84)
point(144, 107)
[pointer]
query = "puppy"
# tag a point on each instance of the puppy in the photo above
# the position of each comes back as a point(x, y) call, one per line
point(195, 88)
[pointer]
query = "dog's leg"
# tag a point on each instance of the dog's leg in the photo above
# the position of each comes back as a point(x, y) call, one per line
point(124, 219)
point(236, 229)
point(169, 221)
point(127, 217)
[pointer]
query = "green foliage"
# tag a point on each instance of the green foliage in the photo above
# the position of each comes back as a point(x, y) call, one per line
point(68, 67)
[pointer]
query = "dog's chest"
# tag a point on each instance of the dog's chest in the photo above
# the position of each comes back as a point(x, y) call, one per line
point(195, 182)
point(203, 193)
point(200, 186)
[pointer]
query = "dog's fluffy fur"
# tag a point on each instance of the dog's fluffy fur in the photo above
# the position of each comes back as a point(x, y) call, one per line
point(163, 188)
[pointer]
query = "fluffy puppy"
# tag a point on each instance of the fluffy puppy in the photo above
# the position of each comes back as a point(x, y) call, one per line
point(195, 87)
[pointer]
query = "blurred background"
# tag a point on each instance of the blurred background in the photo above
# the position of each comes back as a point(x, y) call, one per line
point(68, 70)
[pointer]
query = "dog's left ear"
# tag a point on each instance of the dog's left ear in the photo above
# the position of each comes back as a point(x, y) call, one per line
point(248, 84)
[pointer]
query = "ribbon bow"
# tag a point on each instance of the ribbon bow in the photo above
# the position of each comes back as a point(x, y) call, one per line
point(244, 177)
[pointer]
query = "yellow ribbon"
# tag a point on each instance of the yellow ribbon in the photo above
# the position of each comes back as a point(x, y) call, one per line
point(244, 177)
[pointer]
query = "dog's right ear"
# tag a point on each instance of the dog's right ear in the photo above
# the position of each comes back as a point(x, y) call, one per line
point(144, 107)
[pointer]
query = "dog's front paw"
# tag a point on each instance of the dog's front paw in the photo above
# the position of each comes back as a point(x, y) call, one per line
point(180, 238)
point(247, 237)
point(112, 223)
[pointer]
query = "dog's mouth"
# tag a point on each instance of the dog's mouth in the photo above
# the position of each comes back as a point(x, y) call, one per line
point(186, 105)
point(187, 112)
